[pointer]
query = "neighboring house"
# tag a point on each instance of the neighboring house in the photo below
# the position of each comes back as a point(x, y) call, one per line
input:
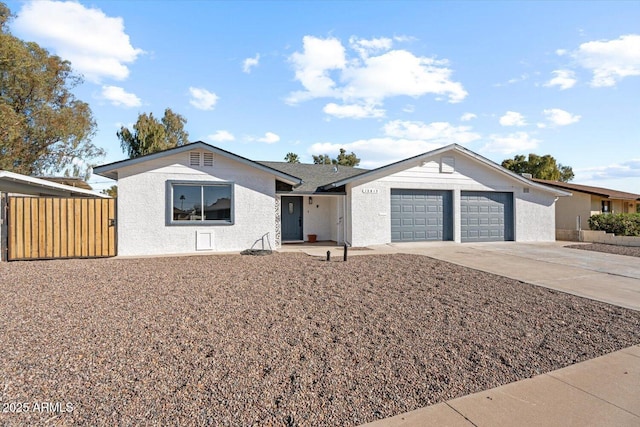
point(447, 194)
point(22, 185)
point(573, 213)
point(15, 184)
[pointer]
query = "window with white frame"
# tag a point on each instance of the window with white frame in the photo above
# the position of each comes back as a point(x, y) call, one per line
point(201, 203)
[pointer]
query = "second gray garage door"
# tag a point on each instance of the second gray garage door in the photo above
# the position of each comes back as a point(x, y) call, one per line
point(421, 215)
point(486, 216)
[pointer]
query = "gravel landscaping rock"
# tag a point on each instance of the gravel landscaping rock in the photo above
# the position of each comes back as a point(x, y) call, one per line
point(610, 249)
point(285, 339)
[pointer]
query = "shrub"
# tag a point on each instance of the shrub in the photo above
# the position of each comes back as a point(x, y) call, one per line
point(618, 224)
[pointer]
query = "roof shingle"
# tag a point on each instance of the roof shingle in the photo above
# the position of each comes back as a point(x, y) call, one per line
point(314, 176)
point(598, 191)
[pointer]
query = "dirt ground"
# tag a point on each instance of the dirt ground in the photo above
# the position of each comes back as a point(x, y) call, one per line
point(284, 339)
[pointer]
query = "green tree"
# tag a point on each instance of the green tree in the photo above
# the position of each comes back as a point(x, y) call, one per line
point(44, 129)
point(151, 135)
point(321, 159)
point(111, 191)
point(345, 159)
point(342, 159)
point(292, 158)
point(541, 167)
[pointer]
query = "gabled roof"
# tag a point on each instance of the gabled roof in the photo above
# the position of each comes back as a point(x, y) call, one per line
point(597, 191)
point(111, 170)
point(22, 182)
point(413, 161)
point(313, 176)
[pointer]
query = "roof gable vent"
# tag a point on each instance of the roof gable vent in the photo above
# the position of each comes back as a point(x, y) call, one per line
point(207, 159)
point(194, 158)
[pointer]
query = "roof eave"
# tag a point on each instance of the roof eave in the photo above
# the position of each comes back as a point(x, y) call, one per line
point(16, 177)
point(459, 149)
point(110, 170)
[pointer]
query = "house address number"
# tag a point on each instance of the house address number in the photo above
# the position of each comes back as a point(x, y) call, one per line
point(370, 190)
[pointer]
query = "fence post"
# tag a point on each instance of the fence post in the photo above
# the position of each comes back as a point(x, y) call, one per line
point(4, 236)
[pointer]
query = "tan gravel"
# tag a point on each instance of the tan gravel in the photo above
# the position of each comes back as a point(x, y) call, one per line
point(284, 339)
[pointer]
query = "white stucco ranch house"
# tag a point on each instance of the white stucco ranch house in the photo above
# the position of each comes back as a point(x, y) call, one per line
point(198, 197)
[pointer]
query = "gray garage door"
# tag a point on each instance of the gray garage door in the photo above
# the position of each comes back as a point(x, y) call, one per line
point(486, 216)
point(421, 215)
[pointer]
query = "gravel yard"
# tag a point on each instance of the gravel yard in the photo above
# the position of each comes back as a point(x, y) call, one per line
point(285, 339)
point(610, 249)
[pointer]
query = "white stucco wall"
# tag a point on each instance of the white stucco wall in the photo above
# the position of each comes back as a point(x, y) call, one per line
point(319, 217)
point(143, 227)
point(370, 201)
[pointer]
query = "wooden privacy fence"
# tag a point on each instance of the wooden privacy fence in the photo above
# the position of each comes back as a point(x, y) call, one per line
point(53, 227)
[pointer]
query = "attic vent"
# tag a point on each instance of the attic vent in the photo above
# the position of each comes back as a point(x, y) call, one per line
point(447, 165)
point(525, 190)
point(194, 158)
point(207, 159)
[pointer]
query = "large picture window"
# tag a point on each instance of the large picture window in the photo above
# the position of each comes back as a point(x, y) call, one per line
point(208, 203)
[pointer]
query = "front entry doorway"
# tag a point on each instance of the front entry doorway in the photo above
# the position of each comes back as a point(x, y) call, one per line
point(291, 215)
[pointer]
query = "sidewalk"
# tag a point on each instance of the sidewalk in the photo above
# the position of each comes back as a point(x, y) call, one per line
point(600, 392)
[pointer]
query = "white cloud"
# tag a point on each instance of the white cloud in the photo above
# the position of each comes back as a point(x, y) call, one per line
point(353, 111)
point(512, 143)
point(558, 117)
point(564, 79)
point(610, 60)
point(312, 67)
point(119, 97)
point(222, 136)
point(377, 152)
point(401, 139)
point(514, 80)
point(628, 169)
point(369, 47)
point(95, 44)
point(467, 116)
point(442, 133)
point(249, 63)
point(269, 138)
point(373, 74)
point(202, 99)
point(512, 118)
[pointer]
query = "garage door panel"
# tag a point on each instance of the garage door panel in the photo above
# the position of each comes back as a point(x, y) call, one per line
point(486, 216)
point(421, 215)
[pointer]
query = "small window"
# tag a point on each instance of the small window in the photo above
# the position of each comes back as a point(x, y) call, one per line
point(202, 203)
point(194, 158)
point(606, 206)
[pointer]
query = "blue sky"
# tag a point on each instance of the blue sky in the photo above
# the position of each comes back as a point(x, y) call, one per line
point(386, 80)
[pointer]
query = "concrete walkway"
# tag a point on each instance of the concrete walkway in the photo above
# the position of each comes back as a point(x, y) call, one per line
point(600, 392)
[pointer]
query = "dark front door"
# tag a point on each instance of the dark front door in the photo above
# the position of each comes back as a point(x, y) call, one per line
point(291, 218)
